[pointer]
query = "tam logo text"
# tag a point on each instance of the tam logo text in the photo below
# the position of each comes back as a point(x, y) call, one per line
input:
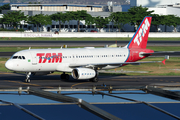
point(142, 32)
point(50, 57)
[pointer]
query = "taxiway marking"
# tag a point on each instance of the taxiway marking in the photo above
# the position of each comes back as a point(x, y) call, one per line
point(6, 73)
point(79, 84)
point(22, 83)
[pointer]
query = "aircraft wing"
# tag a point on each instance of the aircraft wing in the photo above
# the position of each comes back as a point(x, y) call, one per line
point(172, 53)
point(112, 64)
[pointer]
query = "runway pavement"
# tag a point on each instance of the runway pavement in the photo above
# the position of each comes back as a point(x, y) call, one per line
point(12, 80)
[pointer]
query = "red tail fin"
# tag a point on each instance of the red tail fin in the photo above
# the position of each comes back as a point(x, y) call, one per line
point(140, 38)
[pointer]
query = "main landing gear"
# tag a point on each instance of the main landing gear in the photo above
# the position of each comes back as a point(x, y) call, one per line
point(64, 76)
point(27, 80)
point(95, 79)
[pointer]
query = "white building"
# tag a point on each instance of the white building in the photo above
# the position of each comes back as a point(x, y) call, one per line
point(161, 7)
point(152, 3)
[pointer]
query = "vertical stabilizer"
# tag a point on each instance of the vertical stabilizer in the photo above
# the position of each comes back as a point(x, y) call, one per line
point(140, 38)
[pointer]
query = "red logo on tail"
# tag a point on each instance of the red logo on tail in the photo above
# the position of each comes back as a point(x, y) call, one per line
point(142, 31)
point(140, 38)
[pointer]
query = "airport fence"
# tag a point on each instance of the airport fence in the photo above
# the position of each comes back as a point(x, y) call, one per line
point(84, 34)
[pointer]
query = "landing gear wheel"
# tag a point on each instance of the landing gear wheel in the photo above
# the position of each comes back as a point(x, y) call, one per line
point(95, 79)
point(27, 80)
point(64, 76)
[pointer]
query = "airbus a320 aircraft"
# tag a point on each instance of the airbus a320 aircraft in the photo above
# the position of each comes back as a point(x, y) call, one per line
point(83, 63)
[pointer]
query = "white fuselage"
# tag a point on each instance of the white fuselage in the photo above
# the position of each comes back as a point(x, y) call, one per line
point(42, 60)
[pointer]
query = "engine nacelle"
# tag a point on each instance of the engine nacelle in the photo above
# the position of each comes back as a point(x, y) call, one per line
point(83, 73)
point(41, 73)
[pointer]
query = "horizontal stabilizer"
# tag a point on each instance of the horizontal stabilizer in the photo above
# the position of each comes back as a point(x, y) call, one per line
point(174, 53)
point(164, 61)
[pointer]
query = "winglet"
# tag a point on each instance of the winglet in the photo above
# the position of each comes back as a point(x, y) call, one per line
point(164, 61)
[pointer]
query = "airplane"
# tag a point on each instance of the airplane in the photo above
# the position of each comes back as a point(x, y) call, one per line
point(83, 63)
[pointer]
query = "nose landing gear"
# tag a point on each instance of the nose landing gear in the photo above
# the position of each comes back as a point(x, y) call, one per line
point(27, 80)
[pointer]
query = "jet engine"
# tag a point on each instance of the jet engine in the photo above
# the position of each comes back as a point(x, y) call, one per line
point(83, 73)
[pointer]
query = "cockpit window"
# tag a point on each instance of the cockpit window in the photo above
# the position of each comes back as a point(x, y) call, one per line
point(14, 57)
point(18, 57)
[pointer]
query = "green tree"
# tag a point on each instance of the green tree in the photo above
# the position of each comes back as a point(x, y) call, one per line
point(2, 22)
point(39, 20)
point(5, 7)
point(137, 14)
point(157, 20)
point(101, 22)
point(59, 16)
point(82, 15)
point(178, 21)
point(14, 18)
point(171, 20)
point(69, 16)
point(120, 19)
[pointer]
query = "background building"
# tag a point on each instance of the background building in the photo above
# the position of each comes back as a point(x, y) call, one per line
point(152, 3)
point(161, 7)
point(93, 10)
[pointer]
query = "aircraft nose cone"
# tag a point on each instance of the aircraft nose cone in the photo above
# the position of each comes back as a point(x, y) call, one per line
point(9, 65)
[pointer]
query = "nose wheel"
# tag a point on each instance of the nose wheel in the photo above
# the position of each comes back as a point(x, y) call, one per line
point(27, 80)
